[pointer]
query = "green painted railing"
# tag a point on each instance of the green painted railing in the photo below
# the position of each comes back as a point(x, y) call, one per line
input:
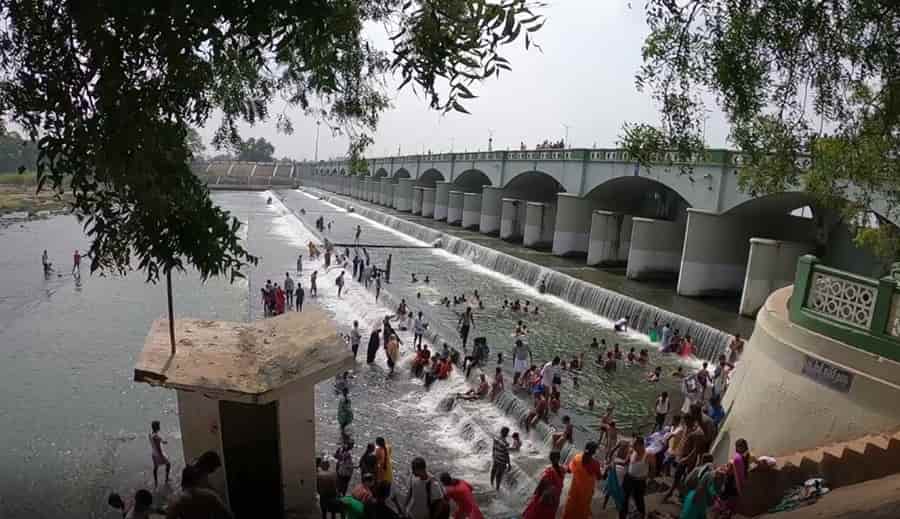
point(859, 311)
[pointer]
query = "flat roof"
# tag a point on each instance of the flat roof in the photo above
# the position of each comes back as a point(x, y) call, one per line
point(247, 362)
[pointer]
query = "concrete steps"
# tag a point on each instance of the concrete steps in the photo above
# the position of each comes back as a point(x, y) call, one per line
point(841, 464)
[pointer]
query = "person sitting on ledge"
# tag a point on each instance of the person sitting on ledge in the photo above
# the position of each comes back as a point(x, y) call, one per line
point(476, 394)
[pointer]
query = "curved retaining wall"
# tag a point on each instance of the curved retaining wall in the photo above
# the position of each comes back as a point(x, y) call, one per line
point(795, 389)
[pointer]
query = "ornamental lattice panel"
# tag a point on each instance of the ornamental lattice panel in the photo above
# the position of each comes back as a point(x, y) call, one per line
point(842, 300)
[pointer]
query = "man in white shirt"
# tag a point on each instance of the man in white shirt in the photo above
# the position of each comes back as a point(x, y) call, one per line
point(424, 492)
point(419, 330)
point(355, 338)
point(521, 359)
point(550, 374)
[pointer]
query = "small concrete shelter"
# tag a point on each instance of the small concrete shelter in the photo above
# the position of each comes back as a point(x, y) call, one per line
point(246, 391)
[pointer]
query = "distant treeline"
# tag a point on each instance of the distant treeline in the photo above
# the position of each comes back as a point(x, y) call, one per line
point(16, 153)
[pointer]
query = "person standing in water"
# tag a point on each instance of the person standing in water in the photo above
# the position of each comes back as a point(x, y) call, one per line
point(345, 412)
point(374, 344)
point(419, 330)
point(377, 286)
point(522, 358)
point(387, 270)
point(298, 296)
point(466, 321)
point(501, 458)
point(358, 232)
point(289, 289)
point(76, 261)
point(384, 464)
point(545, 500)
point(156, 452)
point(312, 283)
point(299, 263)
point(355, 339)
point(460, 492)
point(340, 283)
point(392, 348)
point(585, 472)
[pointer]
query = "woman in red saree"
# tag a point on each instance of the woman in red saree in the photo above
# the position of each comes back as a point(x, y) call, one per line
point(545, 500)
point(585, 472)
point(279, 300)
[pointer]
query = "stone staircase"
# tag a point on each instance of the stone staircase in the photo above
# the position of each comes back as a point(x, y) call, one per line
point(841, 464)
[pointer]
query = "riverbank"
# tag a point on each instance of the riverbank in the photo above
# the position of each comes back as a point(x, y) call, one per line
point(18, 195)
point(718, 313)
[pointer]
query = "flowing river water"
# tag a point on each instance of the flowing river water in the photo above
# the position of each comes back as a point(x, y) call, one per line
point(74, 424)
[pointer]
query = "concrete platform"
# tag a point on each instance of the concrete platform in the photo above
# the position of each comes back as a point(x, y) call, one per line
point(248, 362)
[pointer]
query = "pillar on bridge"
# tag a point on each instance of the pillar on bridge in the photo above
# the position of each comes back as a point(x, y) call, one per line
point(403, 195)
point(354, 186)
point(364, 189)
point(540, 224)
point(387, 192)
point(512, 219)
point(471, 217)
point(716, 247)
point(455, 207)
point(347, 185)
point(491, 207)
point(441, 200)
point(772, 265)
point(374, 190)
point(655, 248)
point(610, 238)
point(416, 200)
point(573, 224)
point(428, 194)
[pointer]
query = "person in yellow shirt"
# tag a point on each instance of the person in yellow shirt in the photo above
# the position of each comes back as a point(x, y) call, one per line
point(384, 472)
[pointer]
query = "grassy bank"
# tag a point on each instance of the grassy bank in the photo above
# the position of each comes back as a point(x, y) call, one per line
point(17, 194)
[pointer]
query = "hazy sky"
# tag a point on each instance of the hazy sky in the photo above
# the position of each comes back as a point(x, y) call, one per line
point(584, 78)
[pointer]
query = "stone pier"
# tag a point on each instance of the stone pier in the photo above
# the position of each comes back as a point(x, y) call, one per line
point(417, 200)
point(471, 210)
point(655, 248)
point(610, 238)
point(491, 208)
point(512, 219)
point(428, 194)
point(441, 200)
point(540, 223)
point(403, 194)
point(455, 207)
point(771, 266)
point(387, 192)
point(572, 234)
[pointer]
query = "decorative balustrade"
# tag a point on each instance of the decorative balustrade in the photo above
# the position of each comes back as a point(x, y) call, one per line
point(859, 311)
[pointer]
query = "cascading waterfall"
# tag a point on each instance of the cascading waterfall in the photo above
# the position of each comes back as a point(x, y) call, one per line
point(709, 342)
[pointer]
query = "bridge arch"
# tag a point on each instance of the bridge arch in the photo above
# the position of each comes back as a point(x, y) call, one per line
point(429, 177)
point(471, 181)
point(401, 173)
point(639, 196)
point(534, 186)
point(381, 172)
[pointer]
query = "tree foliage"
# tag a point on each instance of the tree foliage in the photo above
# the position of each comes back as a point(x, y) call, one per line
point(811, 90)
point(256, 150)
point(110, 90)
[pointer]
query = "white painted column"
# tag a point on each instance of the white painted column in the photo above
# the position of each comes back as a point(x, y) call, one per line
point(403, 194)
point(512, 219)
point(454, 207)
point(428, 194)
point(296, 424)
point(354, 186)
point(610, 238)
point(772, 265)
point(491, 208)
point(441, 200)
point(655, 248)
point(573, 225)
point(417, 200)
point(471, 217)
point(387, 192)
point(540, 224)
